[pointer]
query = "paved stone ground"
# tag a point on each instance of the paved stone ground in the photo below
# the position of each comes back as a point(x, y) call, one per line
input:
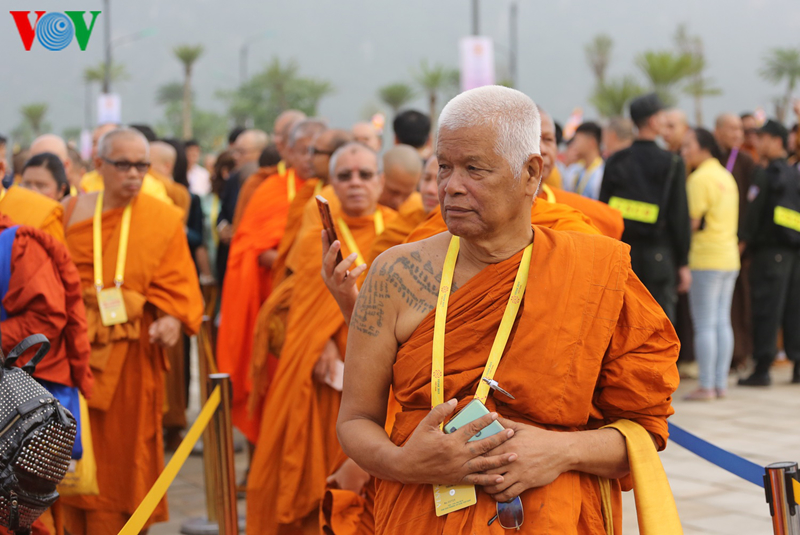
point(762, 425)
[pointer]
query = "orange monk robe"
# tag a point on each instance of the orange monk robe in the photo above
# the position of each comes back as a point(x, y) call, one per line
point(249, 187)
point(554, 180)
point(608, 220)
point(297, 447)
point(26, 207)
point(247, 285)
point(410, 214)
point(590, 346)
point(126, 408)
point(294, 220)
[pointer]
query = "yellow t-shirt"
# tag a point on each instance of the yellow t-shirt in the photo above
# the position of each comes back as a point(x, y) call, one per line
point(92, 181)
point(714, 195)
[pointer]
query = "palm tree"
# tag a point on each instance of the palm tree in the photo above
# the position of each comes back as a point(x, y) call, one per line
point(698, 88)
point(34, 114)
point(610, 98)
point(665, 70)
point(187, 55)
point(396, 95)
point(598, 55)
point(433, 80)
point(698, 85)
point(97, 74)
point(782, 63)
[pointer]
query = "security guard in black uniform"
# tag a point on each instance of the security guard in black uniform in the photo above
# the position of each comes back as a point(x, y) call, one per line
point(648, 185)
point(771, 233)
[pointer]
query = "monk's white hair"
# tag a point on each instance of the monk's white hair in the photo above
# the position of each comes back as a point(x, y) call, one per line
point(350, 147)
point(106, 142)
point(511, 113)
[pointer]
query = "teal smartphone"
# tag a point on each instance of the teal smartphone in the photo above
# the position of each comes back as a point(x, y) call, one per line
point(474, 410)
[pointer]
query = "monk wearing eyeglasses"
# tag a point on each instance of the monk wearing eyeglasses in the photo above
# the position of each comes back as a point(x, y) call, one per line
point(586, 346)
point(140, 290)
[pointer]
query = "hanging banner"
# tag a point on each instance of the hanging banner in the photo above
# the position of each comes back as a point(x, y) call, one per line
point(476, 61)
point(109, 109)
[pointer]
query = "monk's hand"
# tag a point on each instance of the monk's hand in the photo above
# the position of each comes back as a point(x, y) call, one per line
point(542, 458)
point(326, 364)
point(341, 283)
point(433, 457)
point(267, 258)
point(349, 477)
point(165, 331)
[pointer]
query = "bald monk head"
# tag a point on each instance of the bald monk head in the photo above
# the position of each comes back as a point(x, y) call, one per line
point(547, 143)
point(402, 168)
point(162, 158)
point(675, 127)
point(367, 134)
point(283, 126)
point(323, 147)
point(729, 131)
point(617, 135)
point(356, 178)
point(488, 174)
point(54, 145)
point(99, 132)
point(248, 147)
point(123, 158)
point(428, 187)
point(298, 155)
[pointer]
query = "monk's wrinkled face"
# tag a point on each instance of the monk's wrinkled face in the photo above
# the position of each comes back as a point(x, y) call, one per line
point(399, 183)
point(478, 190)
point(357, 182)
point(300, 157)
point(124, 167)
point(548, 146)
point(40, 180)
point(428, 186)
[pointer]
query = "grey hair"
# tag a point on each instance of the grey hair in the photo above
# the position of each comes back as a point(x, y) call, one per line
point(106, 141)
point(511, 113)
point(305, 128)
point(353, 145)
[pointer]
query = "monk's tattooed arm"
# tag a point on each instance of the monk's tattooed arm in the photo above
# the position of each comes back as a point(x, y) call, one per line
point(370, 308)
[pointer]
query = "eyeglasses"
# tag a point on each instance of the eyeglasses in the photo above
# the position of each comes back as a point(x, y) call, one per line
point(313, 151)
point(363, 174)
point(124, 166)
point(509, 514)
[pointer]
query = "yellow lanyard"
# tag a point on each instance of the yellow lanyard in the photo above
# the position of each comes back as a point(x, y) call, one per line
point(214, 215)
point(587, 173)
point(500, 340)
point(352, 246)
point(73, 191)
point(549, 195)
point(97, 243)
point(318, 187)
point(2, 193)
point(291, 187)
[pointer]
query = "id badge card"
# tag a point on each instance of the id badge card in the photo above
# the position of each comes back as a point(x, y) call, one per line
point(449, 498)
point(112, 306)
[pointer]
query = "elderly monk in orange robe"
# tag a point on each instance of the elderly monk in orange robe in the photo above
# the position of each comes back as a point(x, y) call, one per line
point(297, 447)
point(283, 126)
point(268, 333)
point(162, 166)
point(161, 294)
point(589, 346)
point(253, 251)
point(608, 220)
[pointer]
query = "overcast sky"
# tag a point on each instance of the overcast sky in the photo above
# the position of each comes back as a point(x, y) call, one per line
point(360, 45)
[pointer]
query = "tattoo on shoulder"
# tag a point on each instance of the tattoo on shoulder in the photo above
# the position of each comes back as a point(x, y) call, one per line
point(368, 315)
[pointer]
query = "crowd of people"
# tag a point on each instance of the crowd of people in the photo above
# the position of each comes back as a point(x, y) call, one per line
point(637, 224)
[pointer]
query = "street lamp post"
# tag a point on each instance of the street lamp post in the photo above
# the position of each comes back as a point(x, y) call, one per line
point(243, 53)
point(513, 42)
point(476, 28)
point(107, 73)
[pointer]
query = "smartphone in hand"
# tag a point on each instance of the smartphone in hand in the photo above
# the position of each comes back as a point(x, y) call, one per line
point(327, 224)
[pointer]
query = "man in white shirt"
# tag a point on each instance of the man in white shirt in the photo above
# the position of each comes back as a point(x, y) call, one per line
point(199, 177)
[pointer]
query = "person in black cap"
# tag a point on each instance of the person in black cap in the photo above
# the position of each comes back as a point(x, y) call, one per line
point(771, 234)
point(648, 185)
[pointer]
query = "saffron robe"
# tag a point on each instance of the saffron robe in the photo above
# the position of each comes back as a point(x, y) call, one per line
point(26, 207)
point(589, 346)
point(608, 220)
point(297, 447)
point(247, 285)
point(126, 408)
point(410, 214)
point(293, 224)
point(249, 186)
point(45, 296)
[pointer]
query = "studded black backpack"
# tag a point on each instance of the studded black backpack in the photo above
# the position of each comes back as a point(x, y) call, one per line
point(36, 438)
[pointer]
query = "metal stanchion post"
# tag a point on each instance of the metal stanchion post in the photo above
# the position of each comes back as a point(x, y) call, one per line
point(227, 514)
point(781, 499)
point(207, 525)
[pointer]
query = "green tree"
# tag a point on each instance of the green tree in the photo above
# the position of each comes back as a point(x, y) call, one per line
point(396, 95)
point(598, 55)
point(665, 70)
point(782, 64)
point(33, 116)
point(277, 88)
point(208, 128)
point(434, 80)
point(610, 98)
point(187, 55)
point(97, 73)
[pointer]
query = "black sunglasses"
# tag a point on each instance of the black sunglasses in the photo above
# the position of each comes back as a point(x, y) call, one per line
point(125, 166)
point(509, 514)
point(313, 151)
